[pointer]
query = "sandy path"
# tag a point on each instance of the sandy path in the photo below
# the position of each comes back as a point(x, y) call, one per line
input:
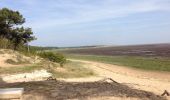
point(155, 82)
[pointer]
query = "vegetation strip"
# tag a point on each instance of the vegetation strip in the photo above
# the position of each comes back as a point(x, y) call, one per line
point(146, 63)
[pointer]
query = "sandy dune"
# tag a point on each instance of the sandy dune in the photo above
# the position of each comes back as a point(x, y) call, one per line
point(10, 58)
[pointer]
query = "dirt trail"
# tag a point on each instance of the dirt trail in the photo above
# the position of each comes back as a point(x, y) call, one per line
point(155, 82)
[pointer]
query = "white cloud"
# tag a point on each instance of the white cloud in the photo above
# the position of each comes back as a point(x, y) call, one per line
point(60, 12)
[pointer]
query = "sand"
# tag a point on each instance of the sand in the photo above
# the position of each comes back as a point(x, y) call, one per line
point(151, 81)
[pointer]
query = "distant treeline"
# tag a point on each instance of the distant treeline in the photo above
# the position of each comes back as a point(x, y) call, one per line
point(39, 48)
point(92, 46)
point(53, 48)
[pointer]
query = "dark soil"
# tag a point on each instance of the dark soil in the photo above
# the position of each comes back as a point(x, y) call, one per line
point(57, 90)
point(161, 50)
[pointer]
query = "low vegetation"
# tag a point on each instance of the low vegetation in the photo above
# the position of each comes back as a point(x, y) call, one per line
point(146, 63)
point(54, 57)
point(72, 70)
point(20, 69)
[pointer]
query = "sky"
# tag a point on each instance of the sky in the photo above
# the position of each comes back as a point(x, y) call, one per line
point(95, 22)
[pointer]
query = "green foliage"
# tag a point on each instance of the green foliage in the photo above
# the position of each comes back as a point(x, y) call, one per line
point(11, 29)
point(54, 57)
point(21, 36)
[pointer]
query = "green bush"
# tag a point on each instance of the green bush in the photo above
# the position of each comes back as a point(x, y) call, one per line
point(54, 57)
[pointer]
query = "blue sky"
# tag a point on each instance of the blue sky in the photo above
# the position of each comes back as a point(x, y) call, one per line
point(95, 22)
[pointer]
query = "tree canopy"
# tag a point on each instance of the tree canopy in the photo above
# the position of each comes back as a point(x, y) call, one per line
point(11, 28)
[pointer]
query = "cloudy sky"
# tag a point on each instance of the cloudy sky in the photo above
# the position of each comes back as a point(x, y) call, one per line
point(95, 22)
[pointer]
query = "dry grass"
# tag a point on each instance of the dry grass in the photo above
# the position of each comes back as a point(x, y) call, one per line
point(72, 70)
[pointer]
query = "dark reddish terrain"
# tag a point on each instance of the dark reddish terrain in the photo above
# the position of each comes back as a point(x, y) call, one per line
point(56, 90)
point(162, 50)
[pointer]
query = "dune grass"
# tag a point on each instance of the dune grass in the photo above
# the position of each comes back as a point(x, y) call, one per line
point(69, 70)
point(146, 63)
point(72, 70)
point(19, 69)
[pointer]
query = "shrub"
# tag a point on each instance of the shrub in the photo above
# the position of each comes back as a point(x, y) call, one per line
point(54, 57)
